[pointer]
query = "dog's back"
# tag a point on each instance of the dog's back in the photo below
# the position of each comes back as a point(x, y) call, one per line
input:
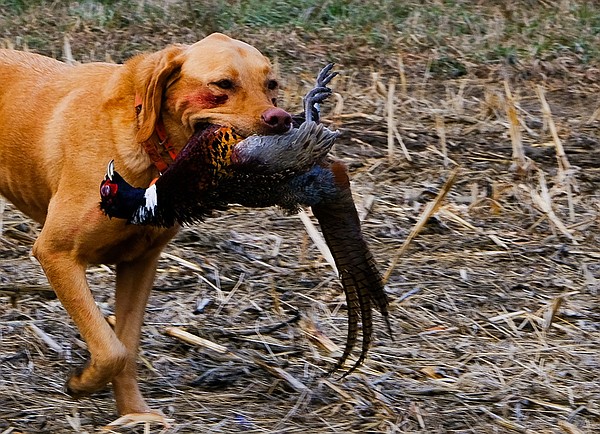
point(37, 94)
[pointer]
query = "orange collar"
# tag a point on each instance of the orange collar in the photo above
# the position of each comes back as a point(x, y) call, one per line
point(155, 148)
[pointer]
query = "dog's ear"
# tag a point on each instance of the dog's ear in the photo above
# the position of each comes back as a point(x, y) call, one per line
point(154, 72)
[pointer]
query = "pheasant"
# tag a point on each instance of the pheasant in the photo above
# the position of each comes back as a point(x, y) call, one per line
point(217, 168)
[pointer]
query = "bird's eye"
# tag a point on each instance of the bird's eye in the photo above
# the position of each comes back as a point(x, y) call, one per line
point(224, 84)
point(272, 84)
point(106, 190)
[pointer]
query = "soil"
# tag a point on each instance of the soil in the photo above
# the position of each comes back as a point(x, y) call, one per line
point(494, 304)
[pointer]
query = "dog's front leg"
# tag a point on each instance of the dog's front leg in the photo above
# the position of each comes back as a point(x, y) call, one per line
point(66, 274)
point(134, 282)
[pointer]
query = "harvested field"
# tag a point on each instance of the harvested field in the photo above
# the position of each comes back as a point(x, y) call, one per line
point(494, 293)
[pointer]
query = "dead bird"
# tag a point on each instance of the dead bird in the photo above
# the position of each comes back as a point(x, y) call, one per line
point(218, 167)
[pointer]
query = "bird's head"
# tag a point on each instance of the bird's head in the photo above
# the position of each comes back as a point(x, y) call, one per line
point(118, 198)
point(110, 185)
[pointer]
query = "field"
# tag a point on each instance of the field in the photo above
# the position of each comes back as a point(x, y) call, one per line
point(494, 296)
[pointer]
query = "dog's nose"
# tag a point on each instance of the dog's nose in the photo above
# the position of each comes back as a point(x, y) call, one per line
point(277, 120)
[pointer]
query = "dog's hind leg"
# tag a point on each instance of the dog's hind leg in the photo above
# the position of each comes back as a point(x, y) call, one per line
point(134, 282)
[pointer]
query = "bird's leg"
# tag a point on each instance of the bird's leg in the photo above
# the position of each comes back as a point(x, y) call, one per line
point(318, 94)
point(312, 102)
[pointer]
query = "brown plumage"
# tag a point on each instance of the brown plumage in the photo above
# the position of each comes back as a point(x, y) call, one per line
point(204, 177)
point(360, 277)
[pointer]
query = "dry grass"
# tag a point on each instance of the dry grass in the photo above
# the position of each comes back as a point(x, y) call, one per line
point(494, 301)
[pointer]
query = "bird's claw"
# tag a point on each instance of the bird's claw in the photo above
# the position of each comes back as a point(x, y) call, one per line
point(325, 75)
point(318, 94)
point(312, 100)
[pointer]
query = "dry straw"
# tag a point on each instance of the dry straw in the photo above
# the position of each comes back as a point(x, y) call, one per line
point(429, 210)
point(493, 305)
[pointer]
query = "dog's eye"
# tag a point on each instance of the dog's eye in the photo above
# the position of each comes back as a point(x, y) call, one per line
point(272, 84)
point(224, 84)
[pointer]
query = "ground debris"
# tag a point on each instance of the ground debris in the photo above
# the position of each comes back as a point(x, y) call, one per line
point(494, 302)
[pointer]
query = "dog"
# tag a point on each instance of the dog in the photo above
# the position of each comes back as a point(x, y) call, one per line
point(60, 125)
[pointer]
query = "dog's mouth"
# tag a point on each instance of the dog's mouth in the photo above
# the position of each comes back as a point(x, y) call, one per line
point(200, 127)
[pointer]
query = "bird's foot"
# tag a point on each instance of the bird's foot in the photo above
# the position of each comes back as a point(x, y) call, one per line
point(318, 94)
point(312, 100)
point(325, 75)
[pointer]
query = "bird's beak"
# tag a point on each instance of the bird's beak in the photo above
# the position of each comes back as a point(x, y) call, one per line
point(110, 170)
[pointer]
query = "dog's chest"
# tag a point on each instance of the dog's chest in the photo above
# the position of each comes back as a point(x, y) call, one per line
point(133, 243)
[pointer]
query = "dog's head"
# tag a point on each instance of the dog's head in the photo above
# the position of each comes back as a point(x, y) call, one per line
point(217, 80)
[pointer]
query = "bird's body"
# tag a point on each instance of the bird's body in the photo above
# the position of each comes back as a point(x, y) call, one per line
point(217, 168)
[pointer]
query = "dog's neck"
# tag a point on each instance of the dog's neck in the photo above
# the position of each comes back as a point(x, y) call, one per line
point(159, 149)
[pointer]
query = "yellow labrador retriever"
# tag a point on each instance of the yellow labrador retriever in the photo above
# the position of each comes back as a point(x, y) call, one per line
point(60, 125)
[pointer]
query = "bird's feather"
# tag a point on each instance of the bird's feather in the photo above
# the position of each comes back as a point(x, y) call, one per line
point(292, 170)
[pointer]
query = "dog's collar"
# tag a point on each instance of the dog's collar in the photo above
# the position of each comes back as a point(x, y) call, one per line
point(157, 145)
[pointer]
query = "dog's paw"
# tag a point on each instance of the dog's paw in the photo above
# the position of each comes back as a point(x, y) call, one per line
point(82, 382)
point(133, 419)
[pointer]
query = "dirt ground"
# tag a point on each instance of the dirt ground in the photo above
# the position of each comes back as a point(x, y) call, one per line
point(494, 304)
